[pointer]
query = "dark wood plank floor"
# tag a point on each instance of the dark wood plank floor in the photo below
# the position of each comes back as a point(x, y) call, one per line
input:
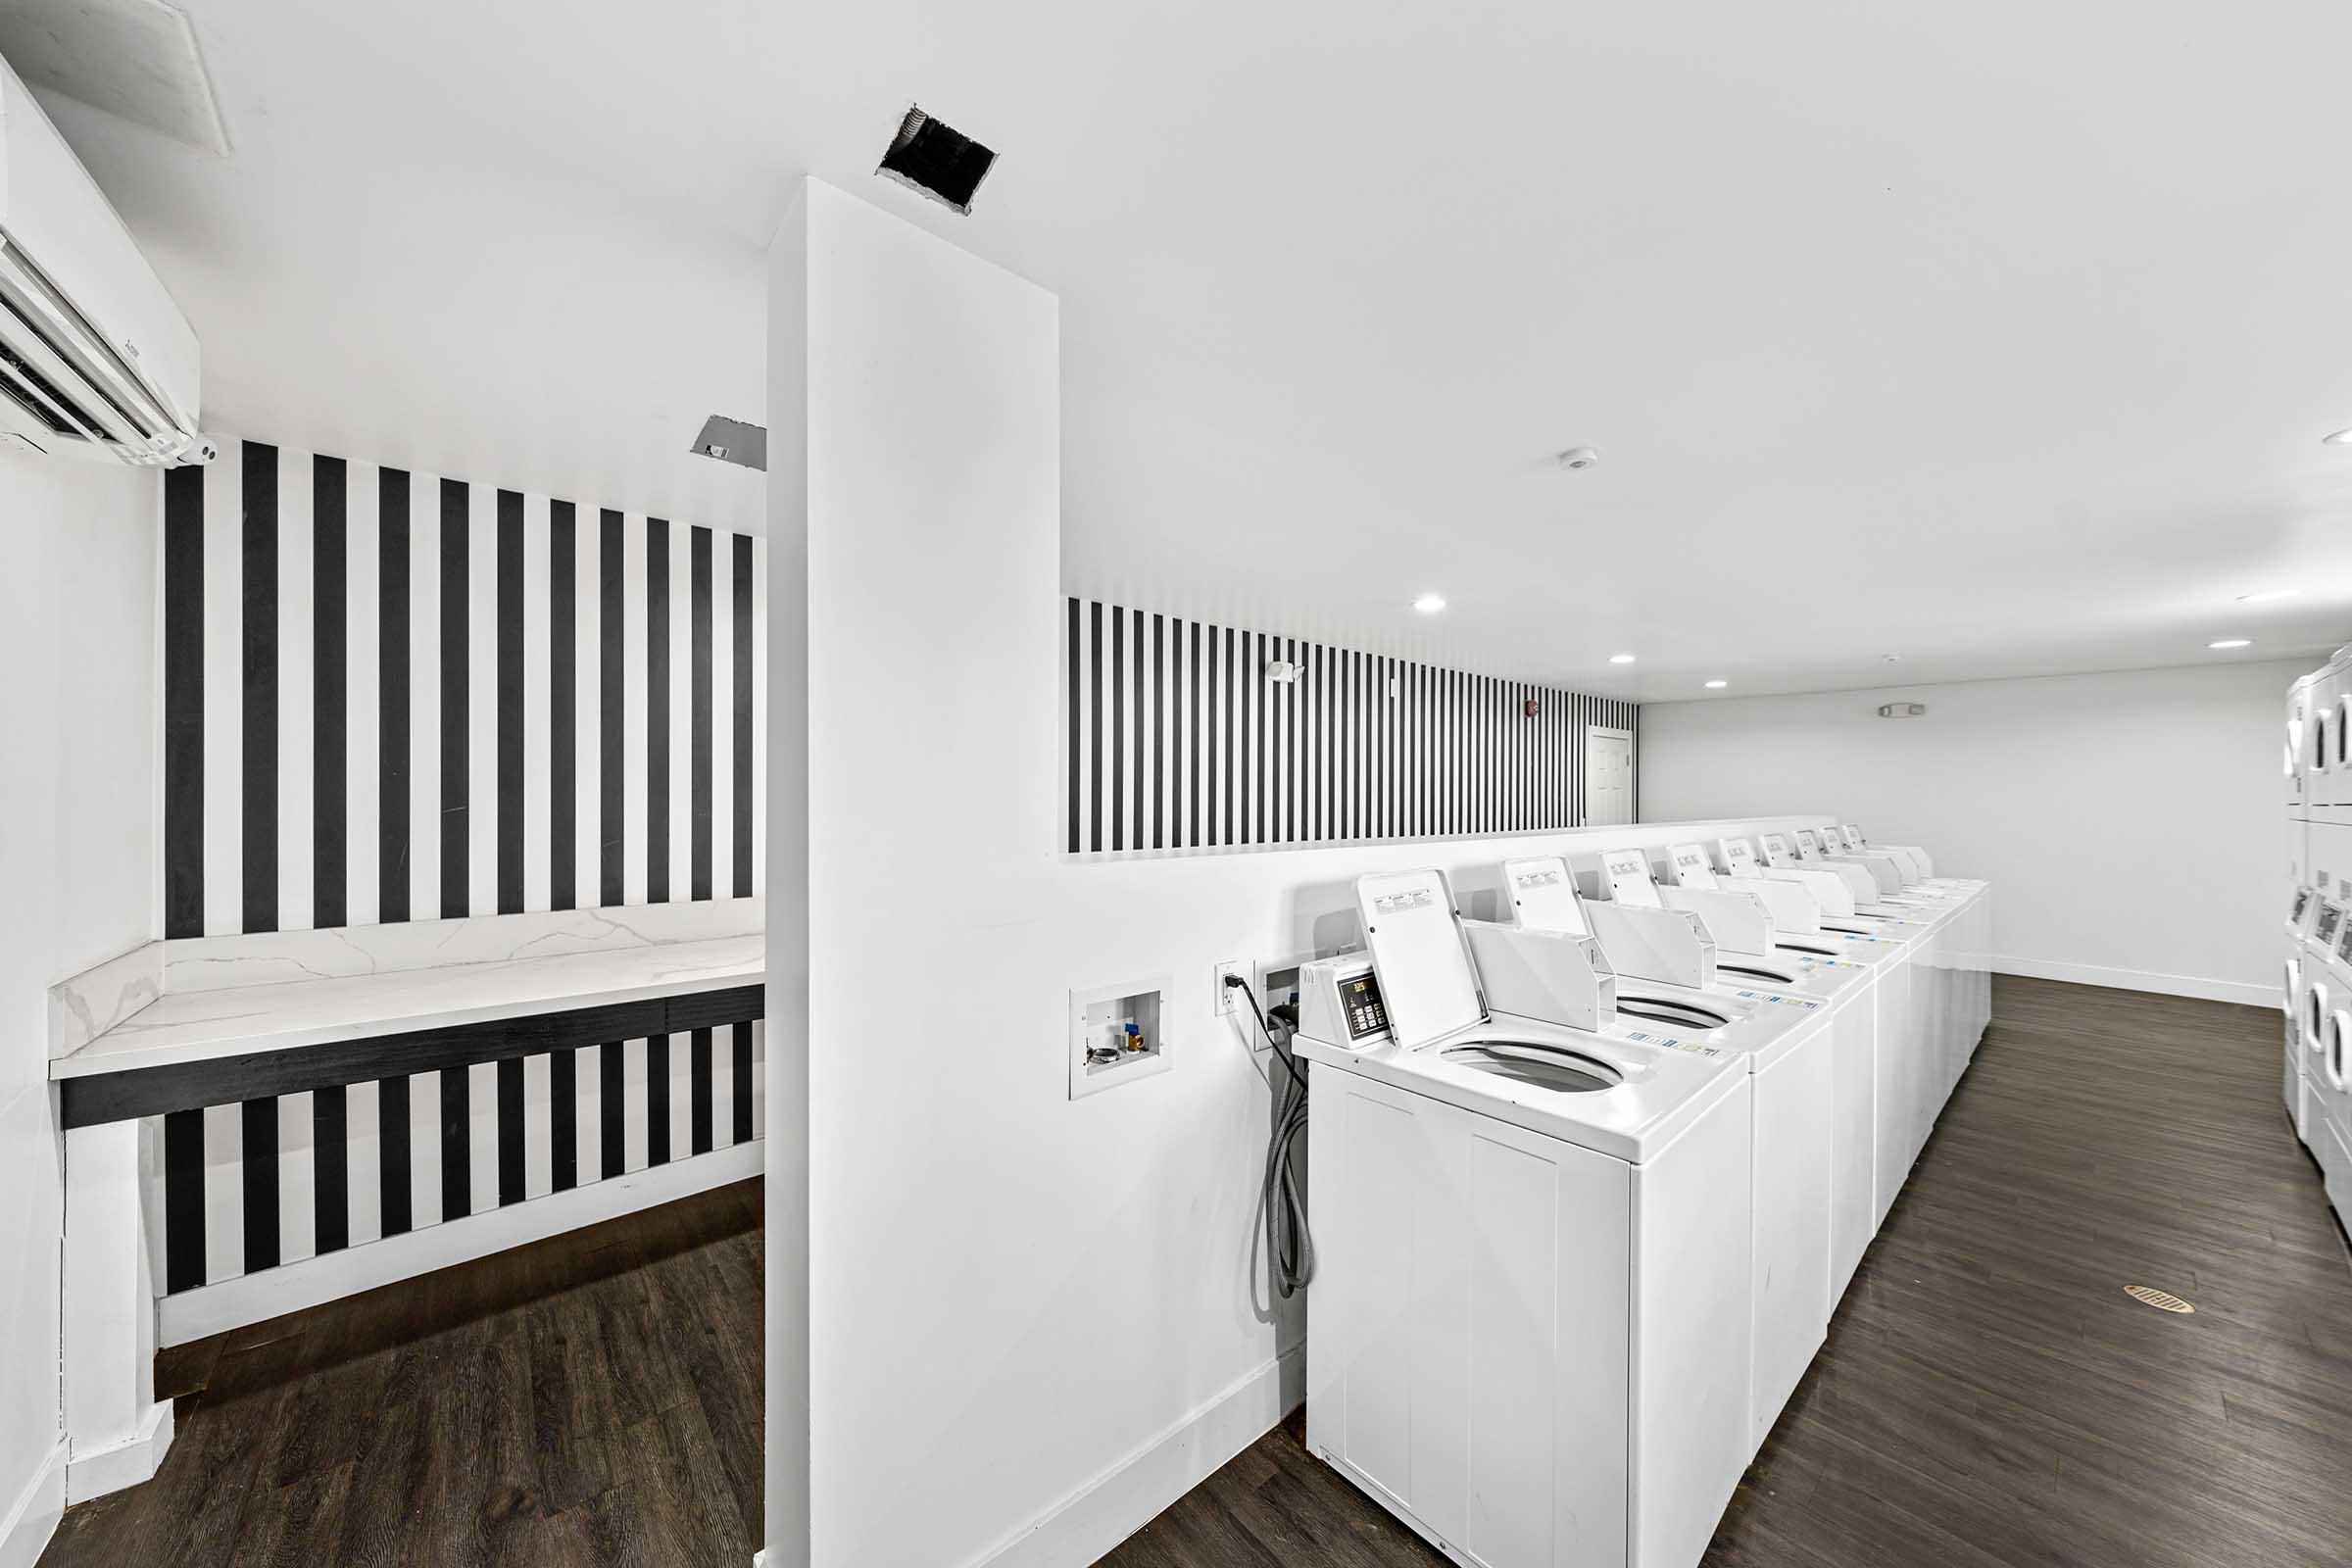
point(1989, 1394)
point(594, 1399)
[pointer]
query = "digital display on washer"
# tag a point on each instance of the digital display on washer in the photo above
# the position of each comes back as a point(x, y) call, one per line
point(2329, 916)
point(1362, 1007)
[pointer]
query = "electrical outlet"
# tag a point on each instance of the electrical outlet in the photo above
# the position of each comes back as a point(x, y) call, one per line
point(1230, 1001)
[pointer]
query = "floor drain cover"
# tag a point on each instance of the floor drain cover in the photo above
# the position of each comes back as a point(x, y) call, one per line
point(2156, 1298)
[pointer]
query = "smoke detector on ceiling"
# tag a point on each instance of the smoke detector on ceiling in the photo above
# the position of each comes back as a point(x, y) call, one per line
point(1580, 457)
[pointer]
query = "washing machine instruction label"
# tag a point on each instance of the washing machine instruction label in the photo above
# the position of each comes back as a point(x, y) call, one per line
point(1411, 898)
point(1775, 996)
point(1673, 1042)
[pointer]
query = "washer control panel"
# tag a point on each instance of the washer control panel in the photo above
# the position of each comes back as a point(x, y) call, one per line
point(1339, 1003)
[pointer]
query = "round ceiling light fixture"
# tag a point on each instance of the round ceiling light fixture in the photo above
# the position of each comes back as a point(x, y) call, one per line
point(2231, 642)
point(1621, 659)
point(1717, 685)
point(2337, 438)
point(1430, 604)
point(1580, 457)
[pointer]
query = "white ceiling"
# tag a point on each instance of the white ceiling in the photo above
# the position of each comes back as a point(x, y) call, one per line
point(2000, 337)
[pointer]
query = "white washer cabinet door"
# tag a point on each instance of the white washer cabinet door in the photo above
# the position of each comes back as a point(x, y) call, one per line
point(1794, 1108)
point(1468, 1334)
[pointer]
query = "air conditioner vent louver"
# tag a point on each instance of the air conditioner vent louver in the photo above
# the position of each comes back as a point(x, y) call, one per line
point(94, 356)
point(35, 396)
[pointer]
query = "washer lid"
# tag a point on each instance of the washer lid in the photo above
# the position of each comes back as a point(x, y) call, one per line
point(1738, 858)
point(1544, 895)
point(1417, 949)
point(1630, 881)
point(1690, 868)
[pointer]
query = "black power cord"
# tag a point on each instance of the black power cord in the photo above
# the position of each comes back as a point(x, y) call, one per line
point(1282, 1195)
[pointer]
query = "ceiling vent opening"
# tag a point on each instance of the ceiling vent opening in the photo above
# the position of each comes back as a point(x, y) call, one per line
point(733, 441)
point(940, 161)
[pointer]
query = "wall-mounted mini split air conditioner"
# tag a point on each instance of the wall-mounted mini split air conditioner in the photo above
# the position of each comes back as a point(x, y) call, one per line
point(95, 357)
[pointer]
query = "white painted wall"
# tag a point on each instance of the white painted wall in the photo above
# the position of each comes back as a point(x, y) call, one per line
point(1035, 1321)
point(375, 287)
point(2129, 820)
point(77, 809)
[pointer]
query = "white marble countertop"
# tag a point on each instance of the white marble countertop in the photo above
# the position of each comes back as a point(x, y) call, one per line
point(199, 1025)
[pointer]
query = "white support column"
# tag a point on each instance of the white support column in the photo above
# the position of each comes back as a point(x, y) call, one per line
point(116, 1430)
point(788, 1515)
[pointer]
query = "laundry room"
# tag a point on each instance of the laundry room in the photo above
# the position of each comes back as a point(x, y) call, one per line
point(857, 786)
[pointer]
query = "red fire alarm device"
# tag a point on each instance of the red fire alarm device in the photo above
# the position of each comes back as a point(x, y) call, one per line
point(1529, 707)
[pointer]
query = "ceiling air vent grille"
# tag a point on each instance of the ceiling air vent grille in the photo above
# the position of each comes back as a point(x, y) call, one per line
point(942, 163)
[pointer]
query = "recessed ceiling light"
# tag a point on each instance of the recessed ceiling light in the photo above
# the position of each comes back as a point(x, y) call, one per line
point(2267, 595)
point(2339, 438)
point(1717, 685)
point(2232, 642)
point(1430, 604)
point(1621, 659)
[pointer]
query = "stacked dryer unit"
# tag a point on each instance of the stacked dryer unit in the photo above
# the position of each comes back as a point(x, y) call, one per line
point(2317, 1072)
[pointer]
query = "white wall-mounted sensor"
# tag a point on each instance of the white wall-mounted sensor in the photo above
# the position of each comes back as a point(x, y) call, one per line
point(1281, 671)
point(1902, 710)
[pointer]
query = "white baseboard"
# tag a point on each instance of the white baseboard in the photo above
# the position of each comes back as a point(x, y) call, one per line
point(33, 1518)
point(126, 1463)
point(1133, 1492)
point(2170, 985)
point(292, 1287)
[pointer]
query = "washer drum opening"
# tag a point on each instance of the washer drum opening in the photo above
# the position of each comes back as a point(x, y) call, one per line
point(1537, 1064)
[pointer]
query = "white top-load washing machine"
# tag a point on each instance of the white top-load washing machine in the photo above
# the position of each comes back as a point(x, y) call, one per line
point(1531, 1330)
point(1666, 969)
point(1849, 979)
point(1890, 873)
point(1926, 1019)
point(1665, 959)
point(1848, 894)
point(1767, 932)
point(1876, 880)
point(1834, 906)
point(1920, 881)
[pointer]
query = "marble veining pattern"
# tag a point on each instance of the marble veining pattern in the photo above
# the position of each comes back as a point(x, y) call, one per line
point(226, 963)
point(89, 1004)
point(197, 1025)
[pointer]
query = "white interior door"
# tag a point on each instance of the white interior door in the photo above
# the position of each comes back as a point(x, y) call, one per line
point(1608, 777)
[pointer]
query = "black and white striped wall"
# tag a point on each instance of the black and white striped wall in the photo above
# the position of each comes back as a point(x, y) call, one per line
point(394, 696)
point(1174, 738)
point(259, 1184)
